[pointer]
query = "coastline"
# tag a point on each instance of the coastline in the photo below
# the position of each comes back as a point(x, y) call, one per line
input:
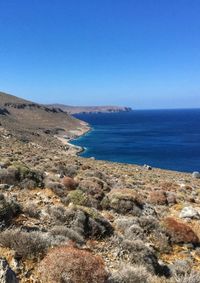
point(72, 149)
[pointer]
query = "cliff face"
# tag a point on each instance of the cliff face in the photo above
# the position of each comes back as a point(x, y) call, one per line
point(91, 109)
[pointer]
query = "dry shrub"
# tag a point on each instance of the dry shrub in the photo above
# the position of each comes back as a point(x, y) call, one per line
point(156, 279)
point(32, 210)
point(157, 197)
point(67, 233)
point(196, 227)
point(131, 274)
point(69, 183)
point(168, 186)
point(180, 232)
point(69, 264)
point(26, 245)
point(193, 277)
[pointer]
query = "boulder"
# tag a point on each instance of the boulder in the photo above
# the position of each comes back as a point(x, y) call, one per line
point(189, 212)
point(196, 175)
point(147, 167)
point(7, 275)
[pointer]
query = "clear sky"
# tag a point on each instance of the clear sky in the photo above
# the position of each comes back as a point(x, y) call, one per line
point(139, 53)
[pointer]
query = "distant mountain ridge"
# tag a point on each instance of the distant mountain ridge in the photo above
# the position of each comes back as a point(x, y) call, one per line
point(90, 109)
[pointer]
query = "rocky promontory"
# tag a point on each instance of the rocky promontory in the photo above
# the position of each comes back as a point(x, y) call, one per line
point(91, 109)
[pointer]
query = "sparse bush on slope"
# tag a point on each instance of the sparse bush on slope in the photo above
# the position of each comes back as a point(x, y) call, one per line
point(8, 209)
point(68, 264)
point(179, 231)
point(131, 274)
point(26, 245)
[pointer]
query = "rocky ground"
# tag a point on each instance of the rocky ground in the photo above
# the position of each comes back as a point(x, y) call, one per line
point(68, 219)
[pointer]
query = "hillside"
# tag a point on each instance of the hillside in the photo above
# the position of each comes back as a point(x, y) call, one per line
point(67, 219)
point(91, 109)
point(30, 120)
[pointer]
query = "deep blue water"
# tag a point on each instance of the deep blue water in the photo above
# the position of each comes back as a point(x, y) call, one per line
point(168, 139)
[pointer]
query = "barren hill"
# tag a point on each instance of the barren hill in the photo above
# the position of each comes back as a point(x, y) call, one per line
point(28, 119)
point(90, 109)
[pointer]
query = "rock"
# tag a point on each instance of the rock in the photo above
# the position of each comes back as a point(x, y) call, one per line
point(180, 232)
point(7, 275)
point(196, 175)
point(189, 212)
point(147, 167)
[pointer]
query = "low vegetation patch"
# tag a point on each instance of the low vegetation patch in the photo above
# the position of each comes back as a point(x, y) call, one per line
point(69, 264)
point(25, 245)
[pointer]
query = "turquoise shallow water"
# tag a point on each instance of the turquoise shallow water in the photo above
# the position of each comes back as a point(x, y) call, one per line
point(168, 139)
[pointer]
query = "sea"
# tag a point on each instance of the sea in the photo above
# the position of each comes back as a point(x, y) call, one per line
point(167, 139)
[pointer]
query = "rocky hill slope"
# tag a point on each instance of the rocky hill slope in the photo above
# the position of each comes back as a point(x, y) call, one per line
point(31, 121)
point(69, 219)
point(91, 109)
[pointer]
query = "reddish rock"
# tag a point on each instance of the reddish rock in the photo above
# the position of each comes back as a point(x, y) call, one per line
point(180, 232)
point(69, 183)
point(158, 197)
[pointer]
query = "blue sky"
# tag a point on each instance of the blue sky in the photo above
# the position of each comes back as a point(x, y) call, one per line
point(139, 53)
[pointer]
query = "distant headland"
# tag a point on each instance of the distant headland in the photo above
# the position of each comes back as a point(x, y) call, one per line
point(90, 109)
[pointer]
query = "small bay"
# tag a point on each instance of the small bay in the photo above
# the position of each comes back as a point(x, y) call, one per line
point(167, 139)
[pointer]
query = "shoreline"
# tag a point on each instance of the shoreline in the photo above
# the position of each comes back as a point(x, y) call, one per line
point(72, 135)
point(76, 150)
